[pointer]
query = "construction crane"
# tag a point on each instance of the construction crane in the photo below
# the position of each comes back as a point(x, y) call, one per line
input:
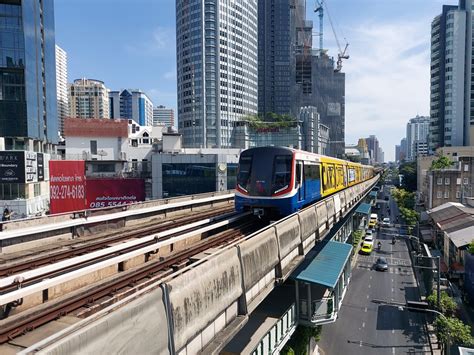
point(319, 8)
point(342, 54)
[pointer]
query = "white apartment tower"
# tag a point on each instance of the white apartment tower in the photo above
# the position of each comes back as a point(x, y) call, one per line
point(88, 98)
point(451, 107)
point(417, 136)
point(61, 87)
point(163, 116)
point(216, 68)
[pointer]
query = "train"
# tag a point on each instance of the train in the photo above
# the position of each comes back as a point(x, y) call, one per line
point(278, 181)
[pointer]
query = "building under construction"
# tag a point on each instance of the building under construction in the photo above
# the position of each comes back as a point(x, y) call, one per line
point(292, 74)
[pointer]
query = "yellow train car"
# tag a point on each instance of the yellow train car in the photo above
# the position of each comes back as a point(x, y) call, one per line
point(337, 174)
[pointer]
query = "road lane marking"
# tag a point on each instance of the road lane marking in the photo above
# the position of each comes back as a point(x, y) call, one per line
point(393, 331)
point(365, 310)
point(371, 277)
point(367, 296)
point(392, 280)
point(363, 324)
point(360, 343)
point(369, 286)
point(393, 350)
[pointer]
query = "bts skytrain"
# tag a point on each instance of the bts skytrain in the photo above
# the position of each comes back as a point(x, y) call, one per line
point(277, 181)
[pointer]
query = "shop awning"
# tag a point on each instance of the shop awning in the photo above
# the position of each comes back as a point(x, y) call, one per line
point(326, 268)
point(364, 208)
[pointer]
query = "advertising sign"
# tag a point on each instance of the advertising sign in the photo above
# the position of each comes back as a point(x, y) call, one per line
point(114, 192)
point(12, 166)
point(40, 166)
point(67, 185)
point(31, 167)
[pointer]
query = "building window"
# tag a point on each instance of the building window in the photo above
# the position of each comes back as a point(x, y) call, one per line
point(458, 194)
point(446, 181)
point(466, 167)
point(446, 194)
point(439, 194)
point(440, 181)
point(458, 181)
point(93, 147)
point(37, 189)
point(465, 181)
point(103, 168)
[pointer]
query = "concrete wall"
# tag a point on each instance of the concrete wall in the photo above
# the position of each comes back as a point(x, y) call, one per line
point(204, 300)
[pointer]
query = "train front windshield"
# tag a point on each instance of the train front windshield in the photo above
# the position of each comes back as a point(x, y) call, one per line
point(262, 173)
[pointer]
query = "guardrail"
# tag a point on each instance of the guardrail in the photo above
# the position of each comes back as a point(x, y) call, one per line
point(213, 294)
point(72, 224)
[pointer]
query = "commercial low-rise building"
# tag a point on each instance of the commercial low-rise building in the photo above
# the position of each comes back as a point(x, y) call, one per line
point(453, 184)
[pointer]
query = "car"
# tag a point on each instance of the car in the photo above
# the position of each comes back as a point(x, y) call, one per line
point(385, 222)
point(381, 264)
point(367, 248)
point(372, 223)
point(369, 232)
point(368, 239)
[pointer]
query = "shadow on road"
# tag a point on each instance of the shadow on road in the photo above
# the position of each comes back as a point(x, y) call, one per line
point(411, 324)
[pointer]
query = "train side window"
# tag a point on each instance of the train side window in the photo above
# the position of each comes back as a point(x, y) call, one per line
point(298, 173)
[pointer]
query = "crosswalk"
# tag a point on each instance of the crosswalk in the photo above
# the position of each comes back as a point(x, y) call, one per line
point(395, 265)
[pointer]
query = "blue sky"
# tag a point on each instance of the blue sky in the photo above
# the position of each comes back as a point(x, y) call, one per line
point(131, 44)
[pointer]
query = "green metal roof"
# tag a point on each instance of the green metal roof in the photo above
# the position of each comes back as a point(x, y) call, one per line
point(373, 194)
point(364, 208)
point(326, 268)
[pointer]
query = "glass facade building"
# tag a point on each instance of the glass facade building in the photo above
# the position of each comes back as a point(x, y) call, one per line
point(28, 106)
point(131, 104)
point(216, 69)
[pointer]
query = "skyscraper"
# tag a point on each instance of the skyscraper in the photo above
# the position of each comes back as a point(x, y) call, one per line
point(277, 22)
point(163, 116)
point(451, 111)
point(88, 98)
point(61, 87)
point(131, 104)
point(417, 135)
point(28, 111)
point(373, 148)
point(216, 68)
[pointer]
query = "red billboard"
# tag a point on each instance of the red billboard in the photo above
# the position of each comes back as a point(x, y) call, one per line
point(114, 192)
point(67, 185)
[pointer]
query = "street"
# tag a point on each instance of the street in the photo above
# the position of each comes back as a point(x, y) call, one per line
point(364, 327)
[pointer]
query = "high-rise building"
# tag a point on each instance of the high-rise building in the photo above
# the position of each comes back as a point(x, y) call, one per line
point(326, 91)
point(397, 153)
point(417, 136)
point(373, 148)
point(61, 87)
point(451, 110)
point(88, 98)
point(163, 116)
point(131, 104)
point(216, 68)
point(380, 156)
point(28, 108)
point(277, 22)
point(403, 149)
point(28, 104)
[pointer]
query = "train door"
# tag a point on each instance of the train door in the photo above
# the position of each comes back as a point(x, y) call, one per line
point(300, 181)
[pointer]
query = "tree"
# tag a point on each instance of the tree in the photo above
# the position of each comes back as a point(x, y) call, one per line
point(453, 331)
point(447, 304)
point(409, 180)
point(470, 247)
point(442, 162)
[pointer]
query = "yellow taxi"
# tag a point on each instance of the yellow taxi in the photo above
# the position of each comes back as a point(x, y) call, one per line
point(373, 220)
point(367, 248)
